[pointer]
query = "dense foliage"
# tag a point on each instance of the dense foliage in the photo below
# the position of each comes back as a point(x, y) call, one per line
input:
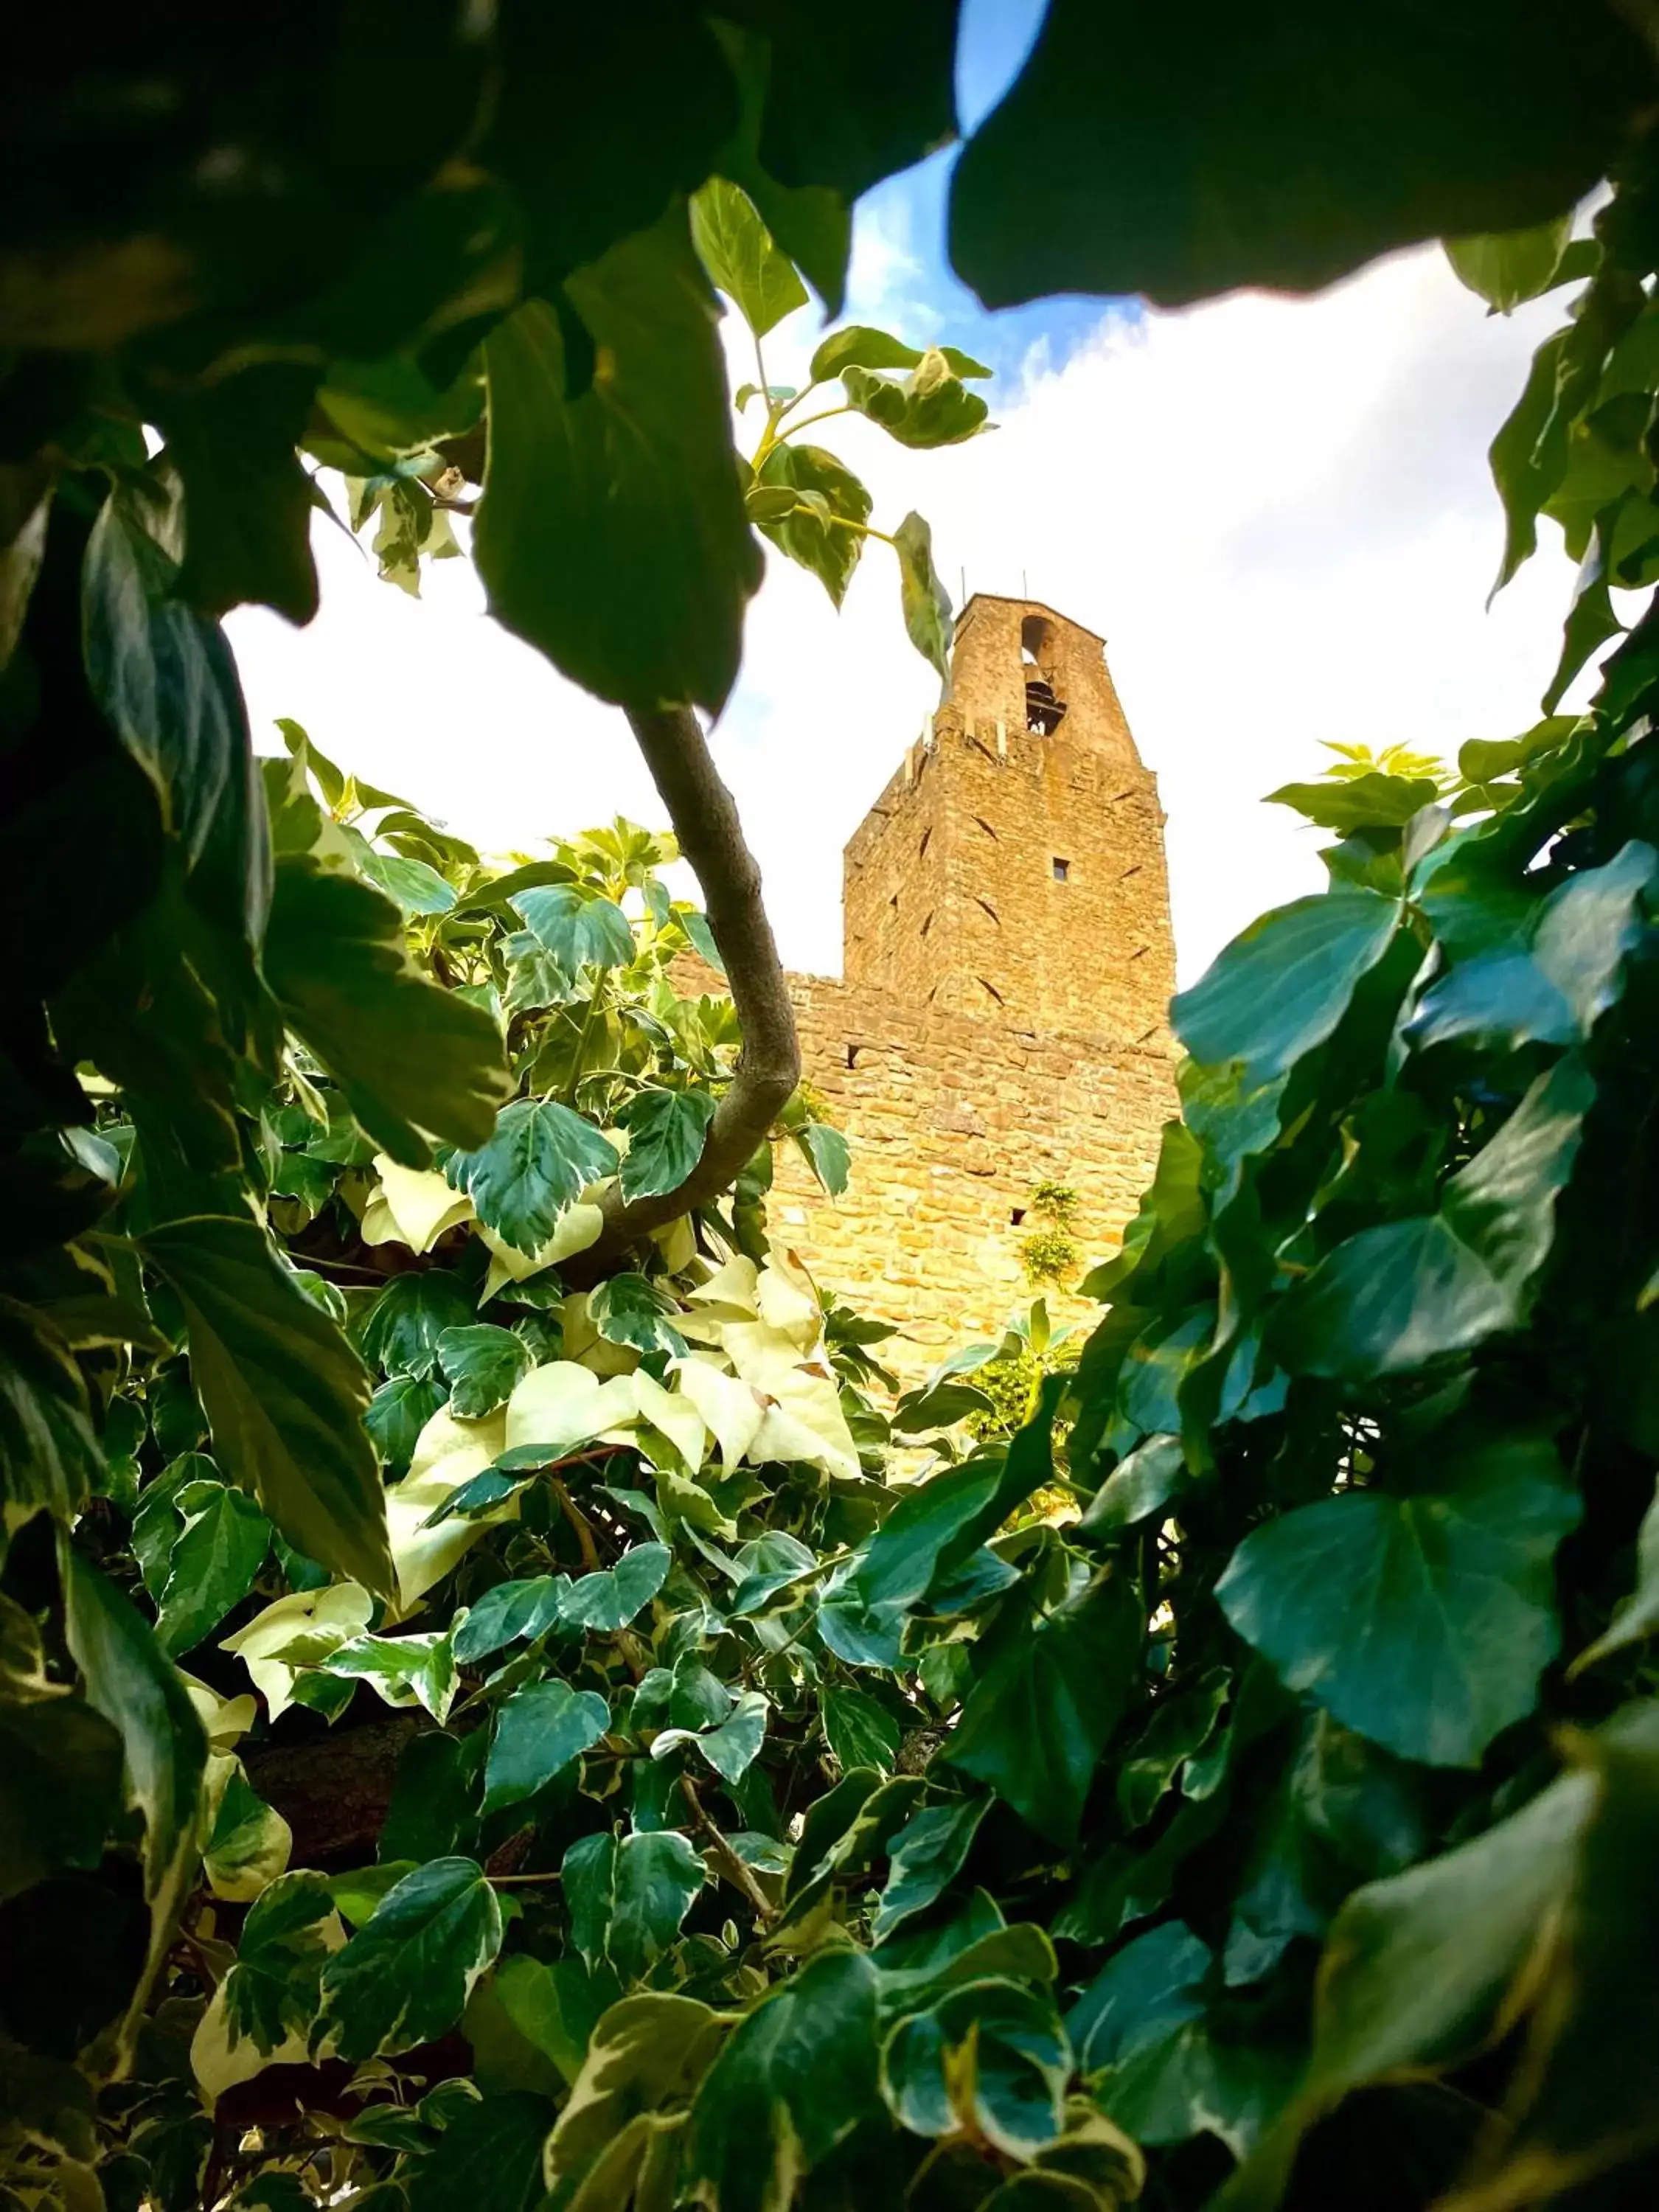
point(1232, 1764)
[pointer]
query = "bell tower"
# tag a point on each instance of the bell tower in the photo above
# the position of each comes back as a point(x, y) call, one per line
point(1013, 869)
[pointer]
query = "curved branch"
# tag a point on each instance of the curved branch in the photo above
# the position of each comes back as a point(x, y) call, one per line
point(705, 820)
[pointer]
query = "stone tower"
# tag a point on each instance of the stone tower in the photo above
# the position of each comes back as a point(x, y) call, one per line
point(1013, 869)
point(1001, 1021)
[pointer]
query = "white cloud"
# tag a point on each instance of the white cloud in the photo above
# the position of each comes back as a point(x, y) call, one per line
point(1279, 512)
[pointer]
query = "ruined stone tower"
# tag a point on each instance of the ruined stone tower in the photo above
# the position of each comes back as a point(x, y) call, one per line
point(1001, 1020)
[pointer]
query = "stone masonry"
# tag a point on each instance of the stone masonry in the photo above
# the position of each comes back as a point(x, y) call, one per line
point(1002, 1019)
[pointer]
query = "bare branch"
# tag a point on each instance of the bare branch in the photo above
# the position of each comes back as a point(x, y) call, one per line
point(705, 821)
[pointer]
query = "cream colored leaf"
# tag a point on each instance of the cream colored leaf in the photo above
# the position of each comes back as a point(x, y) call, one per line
point(583, 1343)
point(448, 1453)
point(675, 1415)
point(736, 1285)
point(788, 1300)
point(225, 1721)
point(677, 1242)
point(564, 1406)
point(728, 1406)
point(297, 1630)
point(422, 1204)
point(576, 1228)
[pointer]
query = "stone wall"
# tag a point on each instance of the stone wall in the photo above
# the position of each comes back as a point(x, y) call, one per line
point(952, 1120)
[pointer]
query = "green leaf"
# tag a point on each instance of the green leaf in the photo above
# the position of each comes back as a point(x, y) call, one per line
point(555, 2007)
point(736, 248)
point(410, 1058)
point(483, 1365)
point(1182, 155)
point(829, 1155)
point(926, 1858)
point(404, 1976)
point(633, 1310)
point(399, 1410)
point(611, 533)
point(859, 1731)
point(490, 2153)
point(407, 1322)
point(859, 346)
point(939, 1522)
point(666, 1129)
point(540, 1159)
point(579, 927)
point(1036, 1723)
point(405, 1669)
point(1506, 267)
point(932, 407)
point(284, 1392)
point(414, 886)
point(166, 680)
point(1555, 992)
point(1143, 1994)
point(1639, 1617)
point(925, 601)
point(49, 1455)
point(647, 2052)
point(248, 1844)
point(248, 500)
point(1281, 988)
point(1359, 802)
point(733, 1747)
point(271, 1990)
point(608, 1598)
point(1012, 2090)
point(1591, 620)
point(796, 2078)
point(213, 1564)
point(60, 1788)
point(823, 530)
point(503, 1615)
point(1393, 1298)
point(1424, 1621)
point(627, 1899)
point(539, 1732)
point(1145, 1482)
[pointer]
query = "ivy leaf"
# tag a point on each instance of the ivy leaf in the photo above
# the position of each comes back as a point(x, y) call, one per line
point(404, 1976)
point(410, 1057)
point(490, 2153)
point(647, 2052)
point(405, 1325)
point(611, 534)
point(578, 927)
point(539, 1732)
point(271, 1990)
point(399, 1410)
point(925, 601)
point(859, 1731)
point(1012, 2090)
point(213, 1564)
point(1361, 802)
point(736, 248)
point(1554, 992)
point(1394, 1297)
point(627, 1899)
point(666, 1129)
point(484, 1364)
point(796, 2078)
point(829, 1155)
point(859, 346)
point(927, 1856)
point(932, 407)
point(505, 1614)
point(1035, 1724)
point(60, 1788)
point(632, 1309)
point(284, 1392)
point(49, 1455)
point(608, 1598)
point(405, 1669)
point(248, 500)
point(1423, 1621)
point(820, 524)
point(248, 1845)
point(1144, 1993)
point(165, 679)
point(540, 1159)
point(1281, 988)
point(1507, 267)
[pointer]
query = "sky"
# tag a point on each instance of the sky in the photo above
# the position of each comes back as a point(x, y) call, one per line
point(1277, 511)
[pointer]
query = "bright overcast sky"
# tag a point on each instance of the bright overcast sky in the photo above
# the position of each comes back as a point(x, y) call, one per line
point(1278, 513)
